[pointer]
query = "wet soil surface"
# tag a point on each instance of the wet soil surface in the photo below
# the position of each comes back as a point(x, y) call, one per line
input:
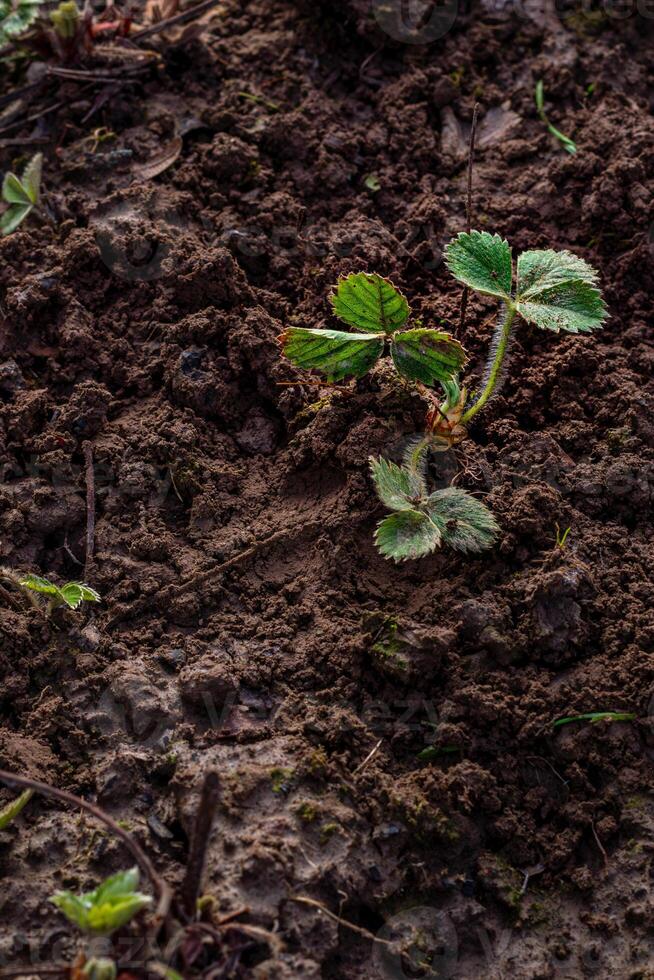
point(310, 673)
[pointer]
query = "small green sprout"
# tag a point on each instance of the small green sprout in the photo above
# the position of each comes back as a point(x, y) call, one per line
point(562, 537)
point(108, 907)
point(11, 811)
point(16, 16)
point(539, 97)
point(594, 716)
point(22, 194)
point(65, 19)
point(72, 594)
point(423, 521)
point(375, 307)
point(372, 183)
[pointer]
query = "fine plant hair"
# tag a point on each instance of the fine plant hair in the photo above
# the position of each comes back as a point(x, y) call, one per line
point(552, 290)
point(22, 194)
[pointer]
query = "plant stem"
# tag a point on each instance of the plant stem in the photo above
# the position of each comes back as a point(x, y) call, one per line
point(495, 367)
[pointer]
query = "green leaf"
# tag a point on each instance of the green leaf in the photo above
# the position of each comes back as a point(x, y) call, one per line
point(39, 584)
point(369, 302)
point(13, 217)
point(481, 261)
point(397, 486)
point(541, 269)
point(594, 716)
point(32, 177)
point(74, 593)
point(465, 523)
point(407, 534)
point(13, 191)
point(573, 306)
point(16, 17)
point(11, 811)
point(108, 907)
point(427, 355)
point(105, 917)
point(73, 907)
point(336, 353)
point(558, 291)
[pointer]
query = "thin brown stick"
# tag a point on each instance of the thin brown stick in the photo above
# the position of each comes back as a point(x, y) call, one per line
point(163, 890)
point(192, 883)
point(605, 856)
point(87, 449)
point(336, 918)
point(471, 157)
point(182, 18)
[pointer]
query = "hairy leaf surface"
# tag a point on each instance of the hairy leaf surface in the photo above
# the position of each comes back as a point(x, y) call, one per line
point(465, 523)
point(427, 355)
point(334, 352)
point(407, 534)
point(397, 486)
point(371, 303)
point(481, 261)
point(573, 306)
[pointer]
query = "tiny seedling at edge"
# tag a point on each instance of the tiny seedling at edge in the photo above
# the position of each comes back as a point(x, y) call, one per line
point(22, 194)
point(73, 594)
point(594, 716)
point(108, 907)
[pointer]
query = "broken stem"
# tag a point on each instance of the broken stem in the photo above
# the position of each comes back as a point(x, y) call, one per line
point(471, 155)
point(192, 883)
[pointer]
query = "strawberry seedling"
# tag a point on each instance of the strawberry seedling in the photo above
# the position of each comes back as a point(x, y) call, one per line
point(108, 907)
point(73, 594)
point(379, 311)
point(22, 194)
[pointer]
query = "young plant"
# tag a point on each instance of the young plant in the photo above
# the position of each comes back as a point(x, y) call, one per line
point(553, 290)
point(22, 194)
point(423, 521)
point(16, 16)
point(72, 594)
point(11, 810)
point(379, 311)
point(108, 907)
point(539, 97)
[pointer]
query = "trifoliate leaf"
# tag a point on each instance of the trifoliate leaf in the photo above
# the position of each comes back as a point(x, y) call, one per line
point(13, 217)
point(39, 584)
point(336, 353)
point(369, 302)
point(465, 523)
point(119, 884)
point(407, 534)
point(73, 594)
point(105, 917)
point(427, 355)
point(397, 486)
point(573, 306)
point(11, 811)
point(13, 191)
point(482, 261)
point(31, 179)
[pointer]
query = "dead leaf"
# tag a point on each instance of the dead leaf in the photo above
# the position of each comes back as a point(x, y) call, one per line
point(161, 161)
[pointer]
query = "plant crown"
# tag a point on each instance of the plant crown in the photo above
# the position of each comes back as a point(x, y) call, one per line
point(108, 907)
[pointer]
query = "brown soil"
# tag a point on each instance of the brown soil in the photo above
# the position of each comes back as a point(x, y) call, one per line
point(145, 322)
